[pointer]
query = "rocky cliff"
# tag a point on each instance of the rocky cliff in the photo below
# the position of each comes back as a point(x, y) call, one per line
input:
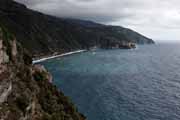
point(26, 90)
point(43, 34)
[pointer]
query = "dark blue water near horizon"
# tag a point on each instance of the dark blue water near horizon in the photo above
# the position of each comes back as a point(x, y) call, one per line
point(140, 84)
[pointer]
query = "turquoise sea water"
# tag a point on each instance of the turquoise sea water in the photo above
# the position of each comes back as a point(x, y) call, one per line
point(140, 84)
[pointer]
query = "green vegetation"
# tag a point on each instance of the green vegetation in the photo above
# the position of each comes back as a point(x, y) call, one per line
point(40, 76)
point(32, 95)
point(22, 102)
point(43, 35)
point(56, 105)
point(7, 37)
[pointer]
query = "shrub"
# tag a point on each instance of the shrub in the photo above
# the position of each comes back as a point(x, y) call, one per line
point(38, 76)
point(22, 102)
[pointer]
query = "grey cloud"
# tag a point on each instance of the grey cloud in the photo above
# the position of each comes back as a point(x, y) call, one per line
point(96, 10)
point(141, 15)
point(30, 2)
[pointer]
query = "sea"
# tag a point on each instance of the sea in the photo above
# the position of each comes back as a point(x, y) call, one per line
point(119, 84)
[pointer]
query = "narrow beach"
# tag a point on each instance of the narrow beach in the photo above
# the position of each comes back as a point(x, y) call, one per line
point(56, 56)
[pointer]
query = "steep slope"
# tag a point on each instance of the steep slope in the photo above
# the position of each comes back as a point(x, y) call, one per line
point(43, 34)
point(26, 90)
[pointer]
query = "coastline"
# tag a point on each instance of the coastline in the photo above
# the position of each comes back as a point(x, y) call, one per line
point(35, 61)
point(56, 56)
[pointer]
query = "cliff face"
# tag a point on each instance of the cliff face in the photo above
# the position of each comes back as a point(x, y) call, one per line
point(26, 92)
point(42, 34)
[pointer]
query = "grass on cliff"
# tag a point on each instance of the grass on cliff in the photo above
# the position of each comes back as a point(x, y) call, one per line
point(6, 37)
point(31, 87)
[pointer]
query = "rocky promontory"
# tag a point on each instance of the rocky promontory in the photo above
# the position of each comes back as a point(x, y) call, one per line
point(26, 90)
point(43, 34)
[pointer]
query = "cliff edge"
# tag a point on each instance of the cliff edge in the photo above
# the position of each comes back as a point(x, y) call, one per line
point(26, 90)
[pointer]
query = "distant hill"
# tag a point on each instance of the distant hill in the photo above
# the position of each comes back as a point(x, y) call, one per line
point(44, 34)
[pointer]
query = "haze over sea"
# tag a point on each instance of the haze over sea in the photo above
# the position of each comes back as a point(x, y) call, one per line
point(140, 84)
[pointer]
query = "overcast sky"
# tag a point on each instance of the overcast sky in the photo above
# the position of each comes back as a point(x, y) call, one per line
point(157, 19)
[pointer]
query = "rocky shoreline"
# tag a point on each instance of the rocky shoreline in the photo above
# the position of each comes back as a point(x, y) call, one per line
point(56, 55)
point(26, 90)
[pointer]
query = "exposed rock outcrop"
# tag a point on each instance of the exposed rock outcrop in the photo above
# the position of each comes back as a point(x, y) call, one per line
point(26, 91)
